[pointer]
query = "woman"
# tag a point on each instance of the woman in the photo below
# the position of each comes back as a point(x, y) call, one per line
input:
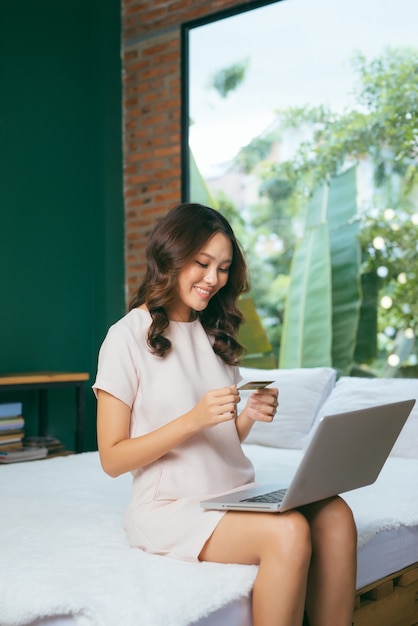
point(167, 412)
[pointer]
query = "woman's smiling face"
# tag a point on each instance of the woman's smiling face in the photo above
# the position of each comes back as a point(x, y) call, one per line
point(200, 279)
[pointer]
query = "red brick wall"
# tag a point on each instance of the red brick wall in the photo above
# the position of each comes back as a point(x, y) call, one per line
point(151, 35)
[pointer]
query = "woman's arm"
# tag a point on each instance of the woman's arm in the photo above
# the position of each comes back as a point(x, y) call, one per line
point(119, 453)
point(261, 407)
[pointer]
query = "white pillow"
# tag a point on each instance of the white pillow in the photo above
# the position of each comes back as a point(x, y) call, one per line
point(302, 391)
point(351, 393)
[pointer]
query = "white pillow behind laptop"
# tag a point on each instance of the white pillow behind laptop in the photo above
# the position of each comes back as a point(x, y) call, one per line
point(302, 391)
point(351, 393)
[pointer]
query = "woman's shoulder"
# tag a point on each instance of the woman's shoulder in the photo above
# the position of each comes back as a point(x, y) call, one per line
point(135, 322)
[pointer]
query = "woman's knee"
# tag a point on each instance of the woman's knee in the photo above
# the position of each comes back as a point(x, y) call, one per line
point(253, 537)
point(341, 514)
point(288, 535)
point(347, 522)
point(334, 517)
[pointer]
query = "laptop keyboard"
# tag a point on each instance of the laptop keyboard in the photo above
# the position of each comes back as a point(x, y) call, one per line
point(272, 496)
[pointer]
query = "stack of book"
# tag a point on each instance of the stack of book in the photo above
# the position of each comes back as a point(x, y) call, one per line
point(25, 454)
point(53, 446)
point(11, 426)
point(12, 446)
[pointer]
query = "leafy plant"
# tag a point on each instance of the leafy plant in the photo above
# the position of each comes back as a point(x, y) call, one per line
point(229, 78)
point(380, 130)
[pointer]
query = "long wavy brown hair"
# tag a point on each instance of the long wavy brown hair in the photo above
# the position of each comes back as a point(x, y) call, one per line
point(172, 244)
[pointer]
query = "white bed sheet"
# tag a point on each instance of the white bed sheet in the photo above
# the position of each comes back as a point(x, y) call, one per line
point(388, 535)
point(388, 552)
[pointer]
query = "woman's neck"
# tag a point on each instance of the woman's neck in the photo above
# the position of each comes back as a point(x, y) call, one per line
point(181, 316)
point(175, 315)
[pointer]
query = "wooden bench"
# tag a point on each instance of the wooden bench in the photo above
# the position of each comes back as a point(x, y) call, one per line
point(41, 382)
point(391, 601)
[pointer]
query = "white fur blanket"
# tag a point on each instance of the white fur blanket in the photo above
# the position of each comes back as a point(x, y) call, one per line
point(63, 550)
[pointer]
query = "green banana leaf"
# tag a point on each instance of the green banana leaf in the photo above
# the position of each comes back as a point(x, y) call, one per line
point(199, 191)
point(259, 351)
point(322, 308)
point(366, 341)
point(306, 335)
point(345, 268)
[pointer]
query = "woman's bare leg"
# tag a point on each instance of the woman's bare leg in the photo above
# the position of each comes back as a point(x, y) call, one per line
point(332, 575)
point(280, 545)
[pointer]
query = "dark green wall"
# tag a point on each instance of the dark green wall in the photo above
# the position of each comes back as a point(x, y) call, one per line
point(61, 207)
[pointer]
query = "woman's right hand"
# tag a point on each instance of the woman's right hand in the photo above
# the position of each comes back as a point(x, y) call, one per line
point(215, 407)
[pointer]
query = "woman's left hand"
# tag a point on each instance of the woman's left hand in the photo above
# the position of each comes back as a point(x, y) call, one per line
point(262, 404)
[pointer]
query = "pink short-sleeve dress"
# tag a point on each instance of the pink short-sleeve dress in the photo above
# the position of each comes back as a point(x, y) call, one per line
point(164, 515)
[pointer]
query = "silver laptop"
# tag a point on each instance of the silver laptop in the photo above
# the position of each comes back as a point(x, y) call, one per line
point(347, 451)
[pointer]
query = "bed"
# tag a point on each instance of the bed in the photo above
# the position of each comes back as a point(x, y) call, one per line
point(65, 561)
